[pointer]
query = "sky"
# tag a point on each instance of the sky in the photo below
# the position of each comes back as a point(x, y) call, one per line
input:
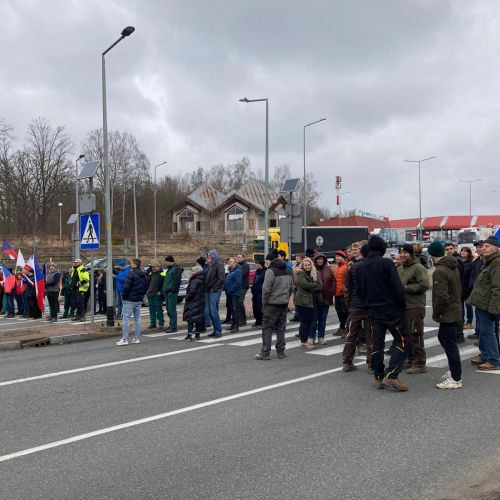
point(396, 80)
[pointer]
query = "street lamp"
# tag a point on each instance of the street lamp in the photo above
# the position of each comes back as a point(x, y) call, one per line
point(420, 193)
point(340, 205)
point(76, 236)
point(107, 201)
point(470, 181)
point(266, 181)
point(155, 191)
point(60, 220)
point(304, 200)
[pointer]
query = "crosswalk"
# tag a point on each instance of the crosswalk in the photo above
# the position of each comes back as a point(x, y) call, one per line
point(251, 337)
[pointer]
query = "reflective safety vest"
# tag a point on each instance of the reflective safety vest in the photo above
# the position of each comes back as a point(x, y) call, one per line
point(83, 278)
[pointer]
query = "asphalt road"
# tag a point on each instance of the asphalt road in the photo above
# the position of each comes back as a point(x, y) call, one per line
point(177, 420)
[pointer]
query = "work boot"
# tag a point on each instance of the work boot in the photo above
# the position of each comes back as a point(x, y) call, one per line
point(416, 369)
point(341, 332)
point(281, 355)
point(377, 383)
point(395, 383)
point(170, 330)
point(235, 329)
point(77, 318)
point(476, 360)
point(262, 357)
point(349, 367)
point(473, 336)
point(197, 336)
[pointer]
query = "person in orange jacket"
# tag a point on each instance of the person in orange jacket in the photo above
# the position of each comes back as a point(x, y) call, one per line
point(340, 305)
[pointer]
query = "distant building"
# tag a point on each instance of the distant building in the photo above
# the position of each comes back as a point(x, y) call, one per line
point(207, 211)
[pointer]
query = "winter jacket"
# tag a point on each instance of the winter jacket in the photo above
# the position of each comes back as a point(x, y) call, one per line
point(486, 292)
point(446, 291)
point(52, 281)
point(135, 285)
point(29, 279)
point(20, 286)
point(477, 267)
point(245, 279)
point(81, 276)
point(465, 278)
point(215, 277)
point(232, 285)
point(380, 288)
point(194, 306)
point(351, 286)
point(306, 288)
point(340, 279)
point(120, 279)
point(278, 284)
point(155, 283)
point(258, 281)
point(327, 279)
point(172, 279)
point(66, 282)
point(415, 281)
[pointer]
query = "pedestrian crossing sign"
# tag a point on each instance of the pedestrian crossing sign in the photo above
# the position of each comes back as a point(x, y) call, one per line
point(89, 231)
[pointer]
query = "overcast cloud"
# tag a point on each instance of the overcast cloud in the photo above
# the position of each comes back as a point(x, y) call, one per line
point(395, 80)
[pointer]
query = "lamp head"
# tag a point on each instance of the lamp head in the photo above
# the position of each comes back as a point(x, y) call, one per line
point(59, 204)
point(245, 99)
point(81, 156)
point(128, 31)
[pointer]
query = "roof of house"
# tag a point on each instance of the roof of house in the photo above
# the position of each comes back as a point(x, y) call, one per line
point(206, 197)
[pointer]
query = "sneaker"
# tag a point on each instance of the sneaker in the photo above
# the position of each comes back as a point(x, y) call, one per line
point(489, 367)
point(416, 369)
point(306, 345)
point(281, 355)
point(395, 383)
point(322, 341)
point(449, 383)
point(476, 360)
point(473, 336)
point(122, 342)
point(446, 375)
point(262, 357)
point(349, 367)
point(377, 383)
point(217, 335)
point(136, 341)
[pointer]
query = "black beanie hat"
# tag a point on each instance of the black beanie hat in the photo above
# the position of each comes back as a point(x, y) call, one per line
point(169, 258)
point(408, 248)
point(364, 250)
point(377, 244)
point(493, 240)
point(309, 252)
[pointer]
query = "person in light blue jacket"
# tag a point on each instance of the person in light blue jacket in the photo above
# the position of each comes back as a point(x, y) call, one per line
point(121, 273)
point(232, 287)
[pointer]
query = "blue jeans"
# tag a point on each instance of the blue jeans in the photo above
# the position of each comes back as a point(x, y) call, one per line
point(478, 323)
point(320, 324)
point(118, 304)
point(213, 299)
point(207, 312)
point(10, 304)
point(488, 343)
point(130, 308)
point(470, 313)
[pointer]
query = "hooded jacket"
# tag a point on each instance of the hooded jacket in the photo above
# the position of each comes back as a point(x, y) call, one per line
point(258, 281)
point(306, 288)
point(135, 285)
point(194, 307)
point(486, 292)
point(326, 278)
point(232, 285)
point(446, 291)
point(340, 279)
point(278, 284)
point(214, 279)
point(351, 286)
point(415, 281)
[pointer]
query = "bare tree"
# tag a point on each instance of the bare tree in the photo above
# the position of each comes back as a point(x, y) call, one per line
point(6, 216)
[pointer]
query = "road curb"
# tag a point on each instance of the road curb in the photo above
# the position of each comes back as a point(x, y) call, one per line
point(69, 339)
point(10, 345)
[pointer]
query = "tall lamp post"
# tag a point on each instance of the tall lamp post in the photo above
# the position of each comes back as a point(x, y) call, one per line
point(76, 237)
point(154, 217)
point(304, 198)
point(107, 188)
point(60, 221)
point(420, 194)
point(266, 176)
point(340, 205)
point(470, 181)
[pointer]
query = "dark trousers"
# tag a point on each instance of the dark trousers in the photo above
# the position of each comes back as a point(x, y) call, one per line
point(53, 298)
point(341, 309)
point(359, 326)
point(234, 300)
point(79, 301)
point(241, 305)
point(22, 306)
point(447, 336)
point(416, 351)
point(101, 301)
point(257, 308)
point(308, 317)
point(229, 311)
point(399, 350)
point(34, 311)
point(274, 321)
point(69, 303)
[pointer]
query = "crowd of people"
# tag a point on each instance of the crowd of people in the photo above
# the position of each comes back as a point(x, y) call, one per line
point(371, 294)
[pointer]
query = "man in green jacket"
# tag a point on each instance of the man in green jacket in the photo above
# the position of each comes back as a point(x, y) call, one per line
point(485, 296)
point(171, 285)
point(415, 281)
point(447, 311)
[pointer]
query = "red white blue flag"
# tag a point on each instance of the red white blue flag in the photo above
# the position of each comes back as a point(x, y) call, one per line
point(7, 249)
point(39, 284)
point(9, 281)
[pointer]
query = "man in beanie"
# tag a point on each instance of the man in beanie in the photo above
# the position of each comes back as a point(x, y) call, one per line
point(276, 291)
point(170, 290)
point(447, 310)
point(485, 296)
point(382, 293)
point(415, 281)
point(214, 281)
point(340, 305)
point(450, 250)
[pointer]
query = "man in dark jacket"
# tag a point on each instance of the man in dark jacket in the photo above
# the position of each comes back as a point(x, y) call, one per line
point(258, 281)
point(170, 290)
point(194, 304)
point(233, 289)
point(135, 287)
point(214, 281)
point(245, 285)
point(477, 267)
point(450, 250)
point(276, 291)
point(382, 293)
point(447, 310)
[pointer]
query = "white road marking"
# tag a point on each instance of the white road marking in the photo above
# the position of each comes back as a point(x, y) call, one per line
point(103, 365)
point(134, 423)
point(440, 361)
point(497, 372)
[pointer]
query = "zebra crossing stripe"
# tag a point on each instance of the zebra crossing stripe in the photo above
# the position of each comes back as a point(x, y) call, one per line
point(441, 361)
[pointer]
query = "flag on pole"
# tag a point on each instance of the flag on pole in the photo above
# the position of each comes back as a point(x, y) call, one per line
point(20, 259)
point(7, 249)
point(9, 281)
point(39, 284)
point(30, 264)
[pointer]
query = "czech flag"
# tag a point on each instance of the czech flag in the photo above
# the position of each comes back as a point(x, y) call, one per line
point(9, 281)
point(7, 249)
point(39, 284)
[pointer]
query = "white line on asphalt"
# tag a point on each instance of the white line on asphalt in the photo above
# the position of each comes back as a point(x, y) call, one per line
point(103, 365)
point(134, 423)
point(440, 361)
point(492, 372)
